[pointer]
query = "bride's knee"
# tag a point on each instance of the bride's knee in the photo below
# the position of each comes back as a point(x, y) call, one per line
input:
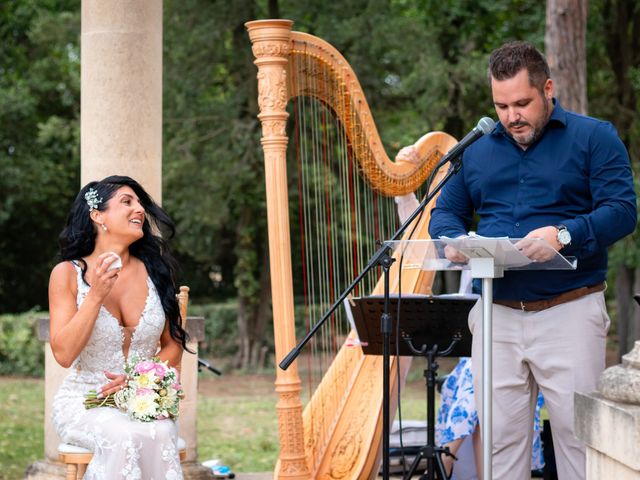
point(165, 430)
point(160, 431)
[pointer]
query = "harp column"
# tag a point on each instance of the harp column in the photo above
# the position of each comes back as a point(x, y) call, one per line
point(271, 41)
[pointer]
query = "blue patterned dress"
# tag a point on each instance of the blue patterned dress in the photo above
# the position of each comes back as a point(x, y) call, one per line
point(458, 417)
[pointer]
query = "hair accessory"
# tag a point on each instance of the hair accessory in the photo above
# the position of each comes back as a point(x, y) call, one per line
point(92, 199)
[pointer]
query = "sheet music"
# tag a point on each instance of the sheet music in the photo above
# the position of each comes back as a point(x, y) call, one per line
point(500, 248)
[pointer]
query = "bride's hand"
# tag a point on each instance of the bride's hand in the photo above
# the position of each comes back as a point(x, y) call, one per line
point(117, 383)
point(104, 277)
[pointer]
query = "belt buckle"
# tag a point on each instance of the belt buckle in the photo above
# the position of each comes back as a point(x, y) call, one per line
point(523, 306)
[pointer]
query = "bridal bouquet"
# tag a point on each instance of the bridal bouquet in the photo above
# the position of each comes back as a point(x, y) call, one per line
point(152, 392)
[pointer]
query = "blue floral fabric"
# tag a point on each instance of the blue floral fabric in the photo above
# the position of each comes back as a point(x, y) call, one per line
point(458, 417)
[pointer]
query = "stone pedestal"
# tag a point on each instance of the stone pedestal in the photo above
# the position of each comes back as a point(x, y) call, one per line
point(611, 431)
point(608, 421)
point(50, 468)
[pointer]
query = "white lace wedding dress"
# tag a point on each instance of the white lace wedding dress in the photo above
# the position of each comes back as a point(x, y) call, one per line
point(123, 448)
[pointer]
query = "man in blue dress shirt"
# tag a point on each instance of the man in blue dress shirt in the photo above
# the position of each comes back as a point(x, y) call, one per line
point(548, 173)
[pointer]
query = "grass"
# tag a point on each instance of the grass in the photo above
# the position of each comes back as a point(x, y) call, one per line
point(239, 430)
point(22, 422)
point(236, 420)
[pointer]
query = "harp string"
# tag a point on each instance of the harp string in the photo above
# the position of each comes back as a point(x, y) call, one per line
point(340, 217)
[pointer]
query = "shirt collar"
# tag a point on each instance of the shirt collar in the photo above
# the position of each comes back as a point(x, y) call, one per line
point(558, 118)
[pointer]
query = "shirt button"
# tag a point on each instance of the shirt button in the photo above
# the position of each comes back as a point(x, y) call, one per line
point(517, 224)
point(522, 180)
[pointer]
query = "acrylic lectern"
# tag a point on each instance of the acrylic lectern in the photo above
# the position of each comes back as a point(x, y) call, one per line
point(487, 258)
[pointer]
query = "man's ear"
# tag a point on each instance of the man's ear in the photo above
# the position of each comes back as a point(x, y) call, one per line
point(549, 89)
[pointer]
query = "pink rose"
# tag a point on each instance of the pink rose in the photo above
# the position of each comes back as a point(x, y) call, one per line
point(145, 366)
point(161, 370)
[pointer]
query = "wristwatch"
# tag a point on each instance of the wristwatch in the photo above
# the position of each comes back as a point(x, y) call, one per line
point(563, 236)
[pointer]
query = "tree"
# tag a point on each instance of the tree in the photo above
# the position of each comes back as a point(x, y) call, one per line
point(214, 183)
point(614, 90)
point(565, 49)
point(39, 142)
point(213, 163)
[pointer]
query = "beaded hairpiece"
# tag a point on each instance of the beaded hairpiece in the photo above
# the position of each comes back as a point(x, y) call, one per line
point(92, 199)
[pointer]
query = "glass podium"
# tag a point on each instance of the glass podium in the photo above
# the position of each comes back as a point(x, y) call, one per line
point(487, 258)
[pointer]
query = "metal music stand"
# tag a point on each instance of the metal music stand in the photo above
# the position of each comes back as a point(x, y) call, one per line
point(430, 327)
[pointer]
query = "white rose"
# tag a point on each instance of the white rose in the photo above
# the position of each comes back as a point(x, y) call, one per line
point(143, 405)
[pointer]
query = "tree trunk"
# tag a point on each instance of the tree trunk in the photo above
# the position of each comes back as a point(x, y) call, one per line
point(622, 20)
point(565, 46)
point(247, 287)
point(622, 27)
point(635, 312)
point(623, 285)
point(274, 9)
point(262, 316)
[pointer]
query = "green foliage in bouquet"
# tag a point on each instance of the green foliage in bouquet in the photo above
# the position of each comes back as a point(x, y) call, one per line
point(152, 392)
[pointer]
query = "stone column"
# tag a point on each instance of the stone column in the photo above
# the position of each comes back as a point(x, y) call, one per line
point(121, 91)
point(608, 421)
point(121, 133)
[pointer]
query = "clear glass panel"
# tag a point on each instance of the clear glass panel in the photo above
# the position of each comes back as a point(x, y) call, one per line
point(506, 252)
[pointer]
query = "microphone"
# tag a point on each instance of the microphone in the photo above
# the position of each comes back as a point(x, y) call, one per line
point(484, 126)
point(208, 366)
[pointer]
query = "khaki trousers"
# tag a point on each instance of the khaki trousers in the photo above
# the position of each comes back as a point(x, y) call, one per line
point(560, 350)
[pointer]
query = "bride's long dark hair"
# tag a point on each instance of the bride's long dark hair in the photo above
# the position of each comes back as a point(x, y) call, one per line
point(78, 240)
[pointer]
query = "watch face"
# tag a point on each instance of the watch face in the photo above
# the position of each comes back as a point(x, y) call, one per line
point(564, 237)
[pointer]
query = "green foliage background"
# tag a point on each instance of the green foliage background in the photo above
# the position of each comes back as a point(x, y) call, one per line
point(422, 64)
point(21, 353)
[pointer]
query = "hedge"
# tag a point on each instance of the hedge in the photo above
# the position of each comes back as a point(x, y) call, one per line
point(21, 353)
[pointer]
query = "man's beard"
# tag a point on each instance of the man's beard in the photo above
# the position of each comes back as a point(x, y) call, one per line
point(527, 139)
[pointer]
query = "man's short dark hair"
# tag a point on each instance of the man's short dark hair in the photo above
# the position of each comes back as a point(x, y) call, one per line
point(506, 61)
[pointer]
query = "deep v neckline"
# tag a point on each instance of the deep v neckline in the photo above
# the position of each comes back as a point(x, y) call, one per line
point(140, 318)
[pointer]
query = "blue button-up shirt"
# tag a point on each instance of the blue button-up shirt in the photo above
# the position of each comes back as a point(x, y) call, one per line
point(576, 174)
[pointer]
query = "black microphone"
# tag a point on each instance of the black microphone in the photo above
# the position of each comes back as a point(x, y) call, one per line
point(484, 126)
point(208, 366)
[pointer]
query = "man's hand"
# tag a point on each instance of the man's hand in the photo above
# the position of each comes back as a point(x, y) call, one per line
point(540, 251)
point(454, 255)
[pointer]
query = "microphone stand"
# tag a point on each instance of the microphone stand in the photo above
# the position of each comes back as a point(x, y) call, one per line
point(384, 259)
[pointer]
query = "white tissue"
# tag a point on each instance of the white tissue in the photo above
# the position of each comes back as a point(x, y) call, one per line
point(117, 263)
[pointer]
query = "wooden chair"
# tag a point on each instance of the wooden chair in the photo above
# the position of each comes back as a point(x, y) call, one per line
point(77, 458)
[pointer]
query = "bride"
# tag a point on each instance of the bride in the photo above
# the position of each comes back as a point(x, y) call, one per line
point(114, 296)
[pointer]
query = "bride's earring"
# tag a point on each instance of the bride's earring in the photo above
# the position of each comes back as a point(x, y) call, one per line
point(104, 227)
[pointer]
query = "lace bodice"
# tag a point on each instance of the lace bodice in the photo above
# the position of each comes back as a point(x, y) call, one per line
point(104, 350)
point(150, 449)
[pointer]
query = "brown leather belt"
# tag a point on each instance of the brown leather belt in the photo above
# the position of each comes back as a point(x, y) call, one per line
point(537, 305)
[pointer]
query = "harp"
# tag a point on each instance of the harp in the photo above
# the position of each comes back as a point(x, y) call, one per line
point(338, 435)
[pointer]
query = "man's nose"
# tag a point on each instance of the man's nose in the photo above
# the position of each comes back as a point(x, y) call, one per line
point(514, 115)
